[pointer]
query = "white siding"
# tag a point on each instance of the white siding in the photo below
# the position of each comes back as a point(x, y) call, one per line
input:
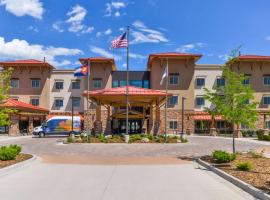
point(210, 73)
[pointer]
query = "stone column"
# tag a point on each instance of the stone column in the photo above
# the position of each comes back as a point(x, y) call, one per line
point(150, 129)
point(157, 120)
point(98, 123)
point(14, 125)
point(31, 126)
point(107, 128)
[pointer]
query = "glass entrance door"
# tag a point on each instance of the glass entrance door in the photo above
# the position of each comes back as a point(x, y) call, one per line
point(135, 126)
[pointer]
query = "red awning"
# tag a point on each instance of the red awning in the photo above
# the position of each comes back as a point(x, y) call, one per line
point(22, 106)
point(206, 117)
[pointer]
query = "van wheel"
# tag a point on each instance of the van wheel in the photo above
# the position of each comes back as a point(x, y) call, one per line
point(41, 134)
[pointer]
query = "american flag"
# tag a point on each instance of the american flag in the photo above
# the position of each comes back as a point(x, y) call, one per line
point(119, 42)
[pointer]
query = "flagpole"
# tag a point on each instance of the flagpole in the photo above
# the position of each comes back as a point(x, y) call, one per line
point(127, 73)
point(88, 110)
point(166, 103)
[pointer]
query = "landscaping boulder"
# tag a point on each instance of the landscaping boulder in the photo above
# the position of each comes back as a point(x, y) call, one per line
point(145, 140)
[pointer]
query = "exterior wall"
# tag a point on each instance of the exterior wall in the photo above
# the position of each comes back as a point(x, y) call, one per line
point(67, 92)
point(256, 70)
point(210, 73)
point(25, 92)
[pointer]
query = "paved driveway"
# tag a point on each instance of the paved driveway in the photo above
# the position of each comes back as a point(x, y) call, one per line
point(119, 171)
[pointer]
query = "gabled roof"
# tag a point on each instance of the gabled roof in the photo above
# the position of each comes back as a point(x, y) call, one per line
point(29, 62)
point(19, 105)
point(84, 61)
point(253, 58)
point(121, 91)
point(177, 55)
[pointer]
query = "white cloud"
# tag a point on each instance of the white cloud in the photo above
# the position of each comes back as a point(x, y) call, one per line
point(21, 49)
point(33, 8)
point(106, 32)
point(102, 52)
point(190, 47)
point(32, 28)
point(76, 17)
point(267, 38)
point(113, 8)
point(224, 57)
point(136, 56)
point(143, 34)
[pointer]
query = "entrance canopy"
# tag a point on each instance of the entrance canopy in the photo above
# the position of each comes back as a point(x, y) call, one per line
point(136, 96)
point(21, 106)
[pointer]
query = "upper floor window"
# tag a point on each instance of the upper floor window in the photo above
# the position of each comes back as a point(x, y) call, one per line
point(173, 100)
point(266, 79)
point(267, 124)
point(97, 83)
point(199, 101)
point(246, 81)
point(59, 102)
point(123, 83)
point(200, 81)
point(59, 85)
point(146, 84)
point(76, 101)
point(35, 83)
point(115, 83)
point(220, 81)
point(174, 79)
point(136, 83)
point(266, 100)
point(76, 84)
point(14, 83)
point(35, 102)
point(173, 125)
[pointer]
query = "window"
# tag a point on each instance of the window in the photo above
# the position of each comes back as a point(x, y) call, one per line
point(59, 102)
point(266, 80)
point(220, 81)
point(97, 83)
point(35, 102)
point(123, 83)
point(246, 81)
point(173, 100)
point(35, 83)
point(14, 83)
point(221, 125)
point(174, 79)
point(267, 124)
point(266, 100)
point(199, 101)
point(59, 85)
point(115, 83)
point(76, 101)
point(75, 84)
point(136, 83)
point(173, 125)
point(200, 82)
point(146, 84)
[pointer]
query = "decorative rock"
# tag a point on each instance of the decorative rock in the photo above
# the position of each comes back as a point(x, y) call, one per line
point(108, 136)
point(146, 140)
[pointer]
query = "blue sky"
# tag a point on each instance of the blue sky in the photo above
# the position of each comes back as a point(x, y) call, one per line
point(64, 31)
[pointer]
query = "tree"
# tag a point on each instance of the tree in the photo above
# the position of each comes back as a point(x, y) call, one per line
point(5, 75)
point(234, 101)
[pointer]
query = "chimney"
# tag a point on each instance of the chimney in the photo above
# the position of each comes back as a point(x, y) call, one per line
point(44, 59)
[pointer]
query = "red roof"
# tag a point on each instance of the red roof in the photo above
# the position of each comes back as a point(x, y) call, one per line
point(18, 105)
point(98, 59)
point(253, 57)
point(28, 62)
point(171, 55)
point(121, 91)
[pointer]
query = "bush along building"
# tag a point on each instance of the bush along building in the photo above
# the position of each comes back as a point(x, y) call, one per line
point(40, 91)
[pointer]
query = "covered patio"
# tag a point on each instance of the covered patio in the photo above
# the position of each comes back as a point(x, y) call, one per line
point(25, 117)
point(106, 112)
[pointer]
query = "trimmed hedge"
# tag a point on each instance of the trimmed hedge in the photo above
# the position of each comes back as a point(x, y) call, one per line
point(9, 152)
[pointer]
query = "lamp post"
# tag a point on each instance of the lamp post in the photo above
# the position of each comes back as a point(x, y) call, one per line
point(183, 107)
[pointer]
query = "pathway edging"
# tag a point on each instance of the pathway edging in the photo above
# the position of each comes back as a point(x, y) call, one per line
point(12, 168)
point(239, 183)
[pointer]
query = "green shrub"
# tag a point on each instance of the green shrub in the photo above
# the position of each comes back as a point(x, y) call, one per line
point(244, 166)
point(223, 156)
point(102, 138)
point(7, 153)
point(183, 140)
point(266, 137)
point(255, 154)
point(260, 134)
point(134, 138)
point(16, 147)
point(70, 139)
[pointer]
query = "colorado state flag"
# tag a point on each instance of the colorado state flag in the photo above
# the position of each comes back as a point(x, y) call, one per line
point(81, 71)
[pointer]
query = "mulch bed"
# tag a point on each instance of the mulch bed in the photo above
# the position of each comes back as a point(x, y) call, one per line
point(19, 158)
point(258, 177)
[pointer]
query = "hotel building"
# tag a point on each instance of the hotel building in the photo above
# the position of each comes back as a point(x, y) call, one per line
point(41, 91)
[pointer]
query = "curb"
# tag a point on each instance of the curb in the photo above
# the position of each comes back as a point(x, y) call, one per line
point(12, 168)
point(237, 182)
point(8, 138)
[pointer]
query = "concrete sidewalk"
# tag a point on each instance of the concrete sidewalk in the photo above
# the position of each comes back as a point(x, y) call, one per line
point(120, 182)
point(10, 138)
